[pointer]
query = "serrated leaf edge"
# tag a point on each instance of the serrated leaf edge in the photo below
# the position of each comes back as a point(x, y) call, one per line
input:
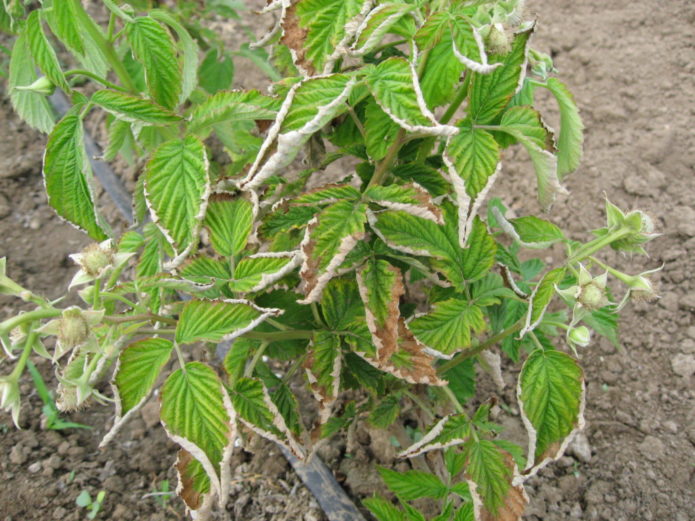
point(532, 466)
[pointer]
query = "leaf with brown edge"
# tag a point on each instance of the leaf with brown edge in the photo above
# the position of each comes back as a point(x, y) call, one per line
point(193, 484)
point(323, 367)
point(381, 287)
point(447, 432)
point(294, 37)
point(328, 239)
point(551, 394)
point(411, 362)
point(494, 483)
point(410, 198)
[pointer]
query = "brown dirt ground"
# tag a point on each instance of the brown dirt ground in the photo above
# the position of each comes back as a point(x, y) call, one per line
point(631, 65)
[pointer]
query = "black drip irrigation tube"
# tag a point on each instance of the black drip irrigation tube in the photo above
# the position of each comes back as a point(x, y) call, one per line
point(313, 472)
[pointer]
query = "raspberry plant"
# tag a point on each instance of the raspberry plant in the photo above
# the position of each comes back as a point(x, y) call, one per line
point(395, 278)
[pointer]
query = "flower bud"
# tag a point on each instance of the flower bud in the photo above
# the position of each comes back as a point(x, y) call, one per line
point(592, 290)
point(9, 397)
point(580, 336)
point(42, 86)
point(497, 41)
point(73, 328)
point(96, 258)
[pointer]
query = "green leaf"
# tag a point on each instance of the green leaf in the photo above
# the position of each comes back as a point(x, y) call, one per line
point(177, 184)
point(442, 71)
point(232, 107)
point(153, 46)
point(461, 380)
point(536, 233)
point(139, 365)
point(491, 472)
point(447, 432)
point(413, 235)
point(235, 360)
point(381, 286)
point(386, 411)
point(133, 109)
point(474, 155)
point(189, 69)
point(426, 176)
point(341, 304)
point(120, 137)
point(393, 85)
point(490, 93)
point(229, 222)
point(259, 271)
point(383, 510)
point(465, 513)
point(571, 139)
point(551, 394)
point(525, 125)
point(478, 256)
point(42, 51)
point(196, 413)
point(328, 240)
point(409, 198)
point(248, 399)
point(379, 129)
point(490, 290)
point(285, 220)
point(67, 175)
point(312, 96)
point(449, 326)
point(216, 72)
point(605, 322)
point(336, 424)
point(62, 17)
point(252, 402)
point(413, 484)
point(381, 21)
point(217, 320)
point(328, 194)
point(541, 297)
point(323, 369)
point(325, 21)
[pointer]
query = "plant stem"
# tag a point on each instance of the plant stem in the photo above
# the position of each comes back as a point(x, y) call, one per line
point(143, 316)
point(452, 398)
point(248, 370)
point(22, 362)
point(417, 401)
point(456, 102)
point(155, 331)
point(592, 247)
point(274, 336)
point(105, 46)
point(95, 77)
point(475, 350)
point(179, 355)
point(383, 167)
point(9, 324)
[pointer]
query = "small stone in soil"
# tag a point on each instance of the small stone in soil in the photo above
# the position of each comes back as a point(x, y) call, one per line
point(18, 455)
point(150, 414)
point(34, 467)
point(684, 220)
point(683, 365)
point(5, 208)
point(652, 448)
point(580, 448)
point(688, 301)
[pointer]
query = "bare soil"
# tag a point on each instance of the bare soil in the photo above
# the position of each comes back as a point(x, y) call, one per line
point(631, 65)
